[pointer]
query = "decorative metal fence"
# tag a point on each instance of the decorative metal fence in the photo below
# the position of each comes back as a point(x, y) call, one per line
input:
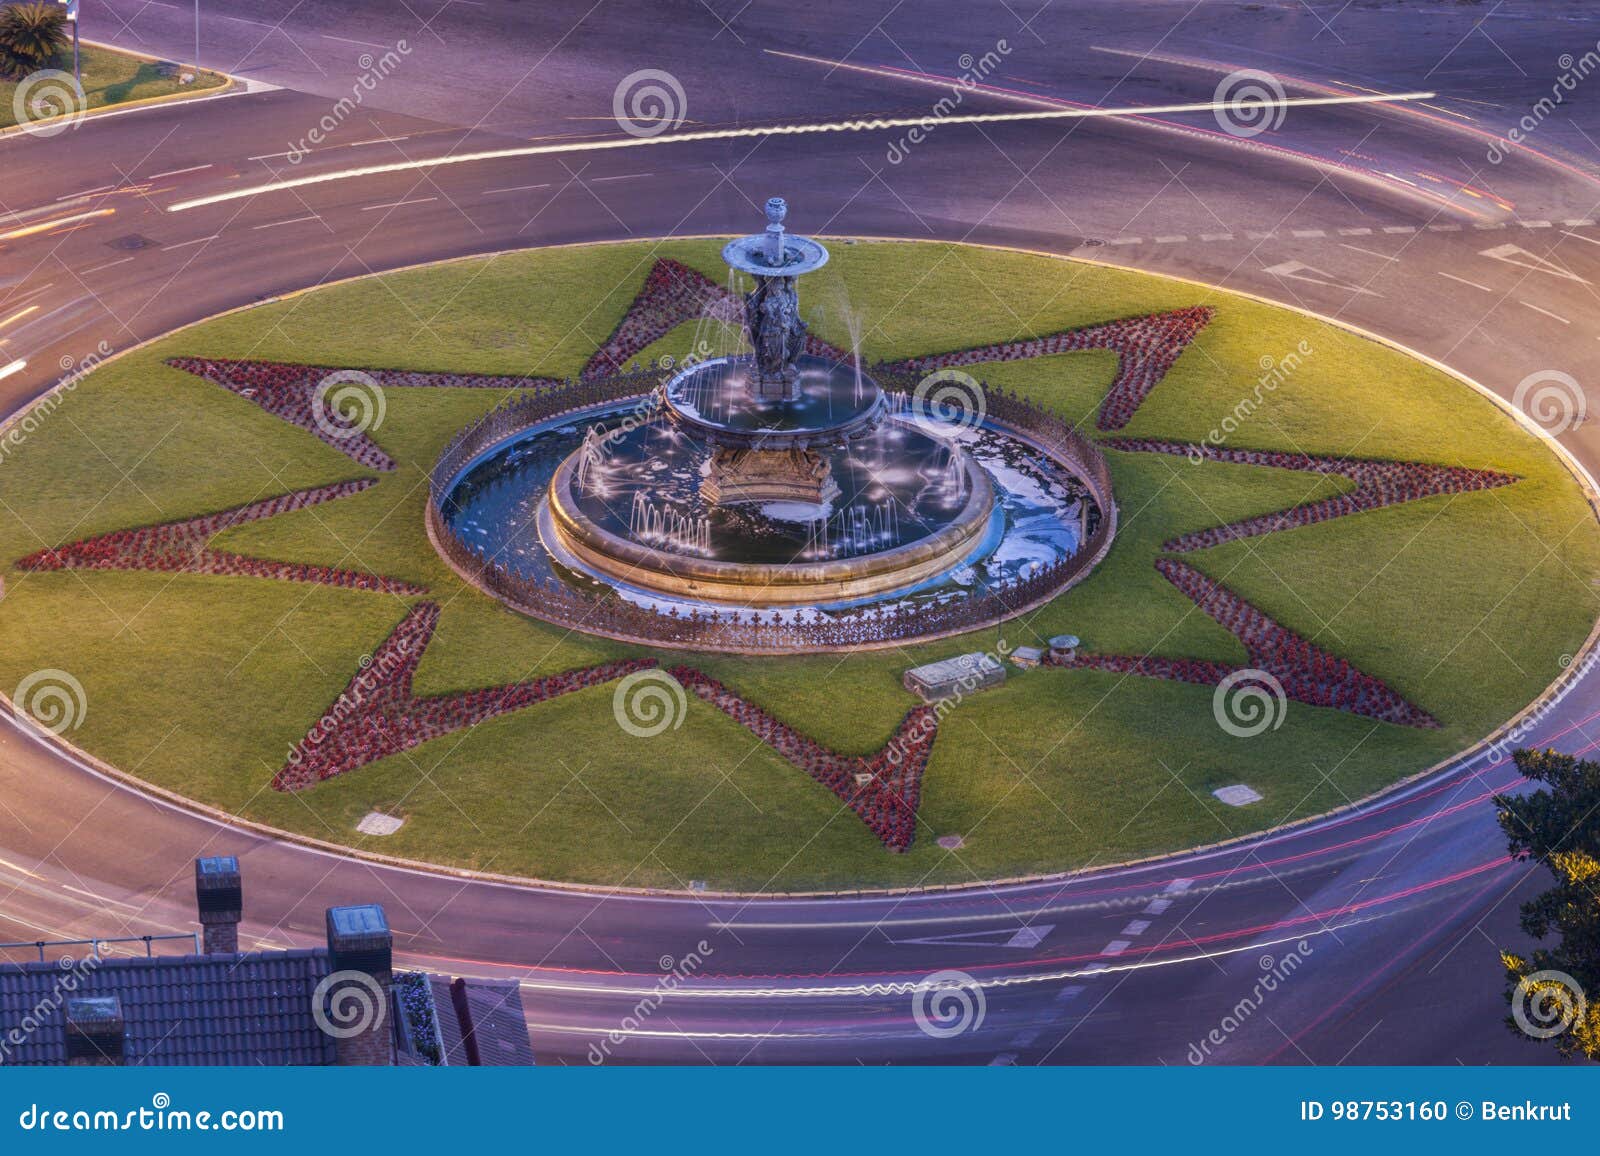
point(752, 631)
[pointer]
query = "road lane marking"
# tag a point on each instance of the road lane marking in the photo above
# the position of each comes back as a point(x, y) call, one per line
point(1216, 236)
point(1116, 947)
point(186, 244)
point(348, 40)
point(515, 189)
point(1178, 886)
point(1368, 252)
point(177, 172)
point(1030, 936)
point(15, 367)
point(398, 204)
point(1579, 237)
point(1546, 312)
point(1156, 906)
point(1136, 927)
point(290, 221)
point(1176, 239)
point(1522, 259)
point(107, 265)
point(1355, 232)
point(1463, 280)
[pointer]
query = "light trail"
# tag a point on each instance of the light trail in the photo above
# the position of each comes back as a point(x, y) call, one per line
point(15, 367)
point(872, 124)
point(55, 223)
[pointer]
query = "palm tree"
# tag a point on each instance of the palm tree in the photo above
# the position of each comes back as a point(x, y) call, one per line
point(31, 36)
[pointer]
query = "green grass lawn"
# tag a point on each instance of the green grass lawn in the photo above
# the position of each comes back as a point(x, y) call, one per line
point(111, 77)
point(1463, 604)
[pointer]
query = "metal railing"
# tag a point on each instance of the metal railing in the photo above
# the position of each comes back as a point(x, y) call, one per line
point(39, 945)
point(752, 632)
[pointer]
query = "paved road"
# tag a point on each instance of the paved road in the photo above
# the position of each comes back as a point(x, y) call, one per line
point(1389, 917)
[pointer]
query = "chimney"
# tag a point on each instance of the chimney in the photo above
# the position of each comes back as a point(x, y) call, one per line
point(95, 1030)
point(219, 893)
point(361, 953)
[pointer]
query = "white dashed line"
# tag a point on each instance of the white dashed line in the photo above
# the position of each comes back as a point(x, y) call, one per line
point(1368, 252)
point(1464, 281)
point(1030, 936)
point(1126, 241)
point(1179, 239)
point(347, 40)
point(1444, 228)
point(1582, 223)
point(1546, 312)
point(176, 172)
point(1534, 224)
point(623, 177)
point(1355, 232)
point(398, 204)
point(1071, 991)
point(1309, 232)
point(1156, 906)
point(1136, 927)
point(107, 265)
point(1178, 886)
point(290, 221)
point(1115, 947)
point(515, 189)
point(1579, 237)
point(1399, 229)
point(1216, 236)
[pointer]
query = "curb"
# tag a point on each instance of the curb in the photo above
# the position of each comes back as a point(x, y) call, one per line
point(1578, 667)
point(231, 86)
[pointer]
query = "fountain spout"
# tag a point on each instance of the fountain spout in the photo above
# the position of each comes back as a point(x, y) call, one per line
point(772, 308)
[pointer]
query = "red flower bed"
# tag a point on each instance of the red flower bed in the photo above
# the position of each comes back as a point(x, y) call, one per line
point(1148, 347)
point(1307, 673)
point(180, 547)
point(1378, 484)
point(673, 293)
point(377, 715)
point(290, 392)
point(887, 803)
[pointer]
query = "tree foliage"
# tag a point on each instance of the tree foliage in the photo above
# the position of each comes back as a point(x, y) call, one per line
point(1558, 826)
point(32, 36)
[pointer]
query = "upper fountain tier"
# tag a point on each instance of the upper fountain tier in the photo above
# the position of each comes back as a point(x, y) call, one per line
point(776, 397)
point(718, 402)
point(775, 253)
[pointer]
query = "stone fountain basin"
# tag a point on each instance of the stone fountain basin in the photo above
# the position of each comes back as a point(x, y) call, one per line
point(715, 402)
point(756, 584)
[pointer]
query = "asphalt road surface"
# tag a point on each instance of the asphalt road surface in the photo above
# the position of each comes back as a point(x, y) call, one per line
point(1392, 219)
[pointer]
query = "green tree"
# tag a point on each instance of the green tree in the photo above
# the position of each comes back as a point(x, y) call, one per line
point(32, 36)
point(1558, 826)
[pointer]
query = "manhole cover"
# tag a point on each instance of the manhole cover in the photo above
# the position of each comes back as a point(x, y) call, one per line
point(130, 242)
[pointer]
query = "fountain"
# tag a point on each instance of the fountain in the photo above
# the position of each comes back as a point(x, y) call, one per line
point(768, 472)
